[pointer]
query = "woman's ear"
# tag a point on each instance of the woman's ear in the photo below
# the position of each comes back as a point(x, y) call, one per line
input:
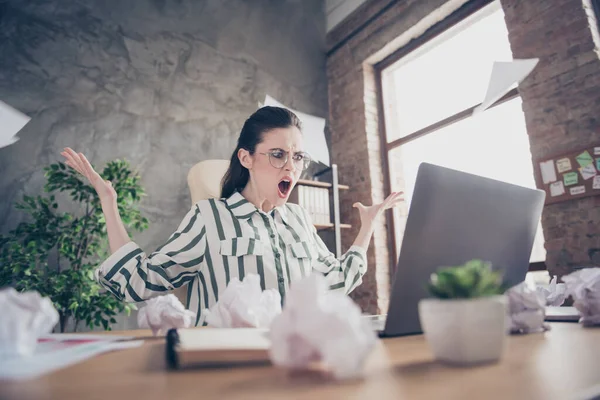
point(245, 158)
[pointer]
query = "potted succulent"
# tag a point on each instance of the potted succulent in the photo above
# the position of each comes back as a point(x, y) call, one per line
point(465, 322)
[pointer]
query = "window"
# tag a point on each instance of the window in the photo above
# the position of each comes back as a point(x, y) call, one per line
point(428, 94)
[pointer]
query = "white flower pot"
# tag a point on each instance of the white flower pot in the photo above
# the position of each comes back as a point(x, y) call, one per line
point(465, 331)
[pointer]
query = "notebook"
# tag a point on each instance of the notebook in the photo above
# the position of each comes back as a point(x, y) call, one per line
point(205, 347)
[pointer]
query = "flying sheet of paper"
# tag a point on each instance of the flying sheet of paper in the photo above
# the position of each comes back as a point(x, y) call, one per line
point(11, 122)
point(505, 75)
point(548, 171)
point(313, 129)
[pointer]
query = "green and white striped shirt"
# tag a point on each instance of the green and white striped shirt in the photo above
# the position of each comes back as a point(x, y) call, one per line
point(221, 239)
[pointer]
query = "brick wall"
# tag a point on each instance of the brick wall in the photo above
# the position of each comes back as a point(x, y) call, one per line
point(354, 124)
point(560, 101)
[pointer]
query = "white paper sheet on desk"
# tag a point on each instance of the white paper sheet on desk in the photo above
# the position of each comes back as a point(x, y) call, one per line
point(505, 75)
point(55, 352)
point(313, 129)
point(11, 122)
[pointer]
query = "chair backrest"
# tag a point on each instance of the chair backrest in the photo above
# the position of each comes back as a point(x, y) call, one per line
point(204, 182)
point(204, 179)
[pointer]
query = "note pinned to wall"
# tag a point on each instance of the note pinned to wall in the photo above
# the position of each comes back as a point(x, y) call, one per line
point(597, 151)
point(571, 178)
point(313, 129)
point(584, 159)
point(578, 174)
point(557, 189)
point(11, 122)
point(548, 171)
point(563, 165)
point(588, 172)
point(577, 190)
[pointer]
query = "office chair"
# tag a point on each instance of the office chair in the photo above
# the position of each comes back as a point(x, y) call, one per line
point(204, 182)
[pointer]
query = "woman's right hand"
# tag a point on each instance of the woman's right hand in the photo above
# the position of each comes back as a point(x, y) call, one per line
point(78, 162)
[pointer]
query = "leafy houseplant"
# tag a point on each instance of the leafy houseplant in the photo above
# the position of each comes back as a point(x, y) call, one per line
point(56, 253)
point(465, 321)
point(471, 280)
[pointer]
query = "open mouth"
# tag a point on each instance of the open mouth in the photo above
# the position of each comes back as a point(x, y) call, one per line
point(284, 187)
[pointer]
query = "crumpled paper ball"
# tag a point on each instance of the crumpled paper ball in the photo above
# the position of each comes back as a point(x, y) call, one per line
point(244, 305)
point(527, 309)
point(24, 318)
point(584, 286)
point(555, 293)
point(163, 313)
point(318, 326)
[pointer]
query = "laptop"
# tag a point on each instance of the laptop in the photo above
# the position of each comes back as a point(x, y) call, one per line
point(455, 217)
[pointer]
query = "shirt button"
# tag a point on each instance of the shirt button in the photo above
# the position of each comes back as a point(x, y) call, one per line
point(277, 255)
point(281, 280)
point(272, 235)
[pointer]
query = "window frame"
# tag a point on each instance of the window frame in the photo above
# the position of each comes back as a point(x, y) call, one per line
point(465, 11)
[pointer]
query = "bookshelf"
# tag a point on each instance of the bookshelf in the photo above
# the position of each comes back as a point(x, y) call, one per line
point(327, 223)
point(308, 182)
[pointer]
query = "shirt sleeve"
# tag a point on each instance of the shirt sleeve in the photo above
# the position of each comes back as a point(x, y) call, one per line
point(343, 274)
point(133, 276)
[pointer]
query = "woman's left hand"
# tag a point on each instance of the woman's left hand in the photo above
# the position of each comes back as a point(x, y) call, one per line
point(368, 214)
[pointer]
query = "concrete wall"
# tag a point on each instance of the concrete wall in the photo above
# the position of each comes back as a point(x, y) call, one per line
point(162, 83)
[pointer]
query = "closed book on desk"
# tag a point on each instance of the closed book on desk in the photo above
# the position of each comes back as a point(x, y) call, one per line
point(206, 347)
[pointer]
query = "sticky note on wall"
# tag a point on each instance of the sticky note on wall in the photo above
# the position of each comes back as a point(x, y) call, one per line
point(570, 178)
point(577, 190)
point(563, 165)
point(584, 159)
point(588, 171)
point(548, 172)
point(557, 189)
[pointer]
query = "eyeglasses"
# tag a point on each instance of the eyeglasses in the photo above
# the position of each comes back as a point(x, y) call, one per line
point(278, 158)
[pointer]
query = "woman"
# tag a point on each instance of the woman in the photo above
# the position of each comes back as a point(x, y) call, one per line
point(250, 230)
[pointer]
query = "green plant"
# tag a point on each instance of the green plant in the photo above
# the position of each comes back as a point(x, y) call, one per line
point(473, 279)
point(56, 252)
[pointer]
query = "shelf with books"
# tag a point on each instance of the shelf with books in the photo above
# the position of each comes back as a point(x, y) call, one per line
point(321, 199)
point(308, 182)
point(322, 227)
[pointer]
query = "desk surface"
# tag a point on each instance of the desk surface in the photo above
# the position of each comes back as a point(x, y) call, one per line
point(560, 364)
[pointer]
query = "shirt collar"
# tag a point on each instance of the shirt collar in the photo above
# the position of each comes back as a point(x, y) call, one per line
point(239, 206)
point(243, 209)
point(284, 213)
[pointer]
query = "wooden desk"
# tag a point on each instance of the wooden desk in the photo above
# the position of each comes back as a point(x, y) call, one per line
point(558, 364)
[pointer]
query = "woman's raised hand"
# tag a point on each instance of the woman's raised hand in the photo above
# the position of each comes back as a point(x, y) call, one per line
point(80, 163)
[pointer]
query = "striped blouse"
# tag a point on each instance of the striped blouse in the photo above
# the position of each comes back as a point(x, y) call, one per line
point(221, 239)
